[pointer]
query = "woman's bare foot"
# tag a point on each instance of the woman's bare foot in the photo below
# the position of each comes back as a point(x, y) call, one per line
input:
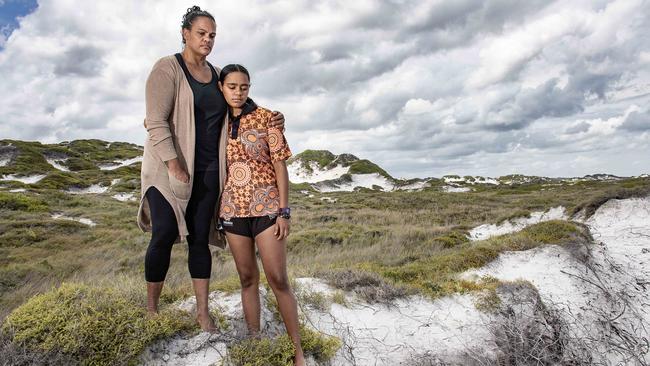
point(206, 323)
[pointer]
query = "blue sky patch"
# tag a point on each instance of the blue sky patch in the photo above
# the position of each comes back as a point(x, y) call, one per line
point(10, 10)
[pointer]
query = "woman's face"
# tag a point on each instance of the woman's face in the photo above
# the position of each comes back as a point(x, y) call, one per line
point(235, 89)
point(200, 38)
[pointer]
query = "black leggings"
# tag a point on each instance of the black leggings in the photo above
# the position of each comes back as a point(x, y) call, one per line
point(205, 191)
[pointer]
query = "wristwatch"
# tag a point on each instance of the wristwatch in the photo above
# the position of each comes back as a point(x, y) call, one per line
point(284, 212)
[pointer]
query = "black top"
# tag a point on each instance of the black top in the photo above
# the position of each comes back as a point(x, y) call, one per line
point(248, 107)
point(210, 108)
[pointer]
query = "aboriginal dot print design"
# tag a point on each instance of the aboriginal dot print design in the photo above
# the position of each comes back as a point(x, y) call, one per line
point(251, 188)
point(255, 144)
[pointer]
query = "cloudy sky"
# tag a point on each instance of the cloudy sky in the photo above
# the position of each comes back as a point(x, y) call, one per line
point(423, 88)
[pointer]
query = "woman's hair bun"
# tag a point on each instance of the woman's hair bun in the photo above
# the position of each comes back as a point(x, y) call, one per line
point(193, 9)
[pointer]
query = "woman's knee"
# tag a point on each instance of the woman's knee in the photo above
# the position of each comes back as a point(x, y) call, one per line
point(164, 235)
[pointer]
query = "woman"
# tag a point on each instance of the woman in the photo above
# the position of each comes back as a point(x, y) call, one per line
point(184, 166)
point(254, 203)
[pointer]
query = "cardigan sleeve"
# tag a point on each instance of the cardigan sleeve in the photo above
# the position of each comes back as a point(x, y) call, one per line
point(159, 99)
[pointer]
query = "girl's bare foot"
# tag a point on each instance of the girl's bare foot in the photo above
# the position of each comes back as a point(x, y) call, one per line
point(299, 359)
point(206, 323)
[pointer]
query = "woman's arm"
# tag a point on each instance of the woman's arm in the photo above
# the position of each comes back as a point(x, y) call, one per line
point(282, 179)
point(159, 98)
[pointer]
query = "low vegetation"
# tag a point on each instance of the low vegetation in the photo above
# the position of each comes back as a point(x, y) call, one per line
point(279, 351)
point(91, 325)
point(378, 245)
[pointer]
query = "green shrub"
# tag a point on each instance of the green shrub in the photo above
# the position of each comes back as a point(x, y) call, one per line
point(321, 157)
point(437, 274)
point(279, 351)
point(452, 239)
point(365, 166)
point(61, 180)
point(96, 326)
point(592, 204)
point(76, 164)
point(21, 202)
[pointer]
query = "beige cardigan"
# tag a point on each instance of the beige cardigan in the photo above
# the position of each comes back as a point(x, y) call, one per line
point(171, 134)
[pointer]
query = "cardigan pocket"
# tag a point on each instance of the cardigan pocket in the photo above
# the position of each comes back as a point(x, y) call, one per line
point(180, 190)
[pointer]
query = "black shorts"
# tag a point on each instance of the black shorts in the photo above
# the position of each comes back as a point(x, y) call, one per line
point(248, 226)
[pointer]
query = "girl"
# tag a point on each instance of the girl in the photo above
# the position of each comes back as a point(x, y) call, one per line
point(183, 168)
point(254, 205)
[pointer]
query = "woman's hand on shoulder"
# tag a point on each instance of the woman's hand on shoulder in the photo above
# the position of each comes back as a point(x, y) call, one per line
point(277, 120)
point(281, 228)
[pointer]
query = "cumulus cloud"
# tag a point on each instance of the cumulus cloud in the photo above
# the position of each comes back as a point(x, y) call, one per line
point(637, 121)
point(422, 88)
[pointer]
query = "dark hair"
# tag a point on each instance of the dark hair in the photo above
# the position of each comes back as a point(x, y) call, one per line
point(191, 14)
point(232, 68)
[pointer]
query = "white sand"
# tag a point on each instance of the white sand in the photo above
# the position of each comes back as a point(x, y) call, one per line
point(360, 180)
point(619, 263)
point(120, 163)
point(471, 180)
point(510, 226)
point(623, 229)
point(93, 189)
point(380, 334)
point(414, 186)
point(452, 189)
point(389, 335)
point(124, 197)
point(82, 220)
point(29, 179)
point(56, 163)
point(541, 266)
point(298, 174)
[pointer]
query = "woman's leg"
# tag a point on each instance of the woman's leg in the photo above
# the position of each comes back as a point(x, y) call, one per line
point(164, 232)
point(274, 260)
point(243, 251)
point(198, 217)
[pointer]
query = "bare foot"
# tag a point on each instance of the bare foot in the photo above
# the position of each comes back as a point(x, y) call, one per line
point(206, 323)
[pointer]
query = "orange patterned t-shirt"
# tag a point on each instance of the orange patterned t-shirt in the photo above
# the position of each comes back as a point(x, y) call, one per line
point(251, 189)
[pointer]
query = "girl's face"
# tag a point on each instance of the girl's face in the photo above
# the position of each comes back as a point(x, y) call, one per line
point(235, 89)
point(200, 38)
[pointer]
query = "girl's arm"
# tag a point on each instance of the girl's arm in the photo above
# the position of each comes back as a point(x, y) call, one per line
point(280, 152)
point(282, 178)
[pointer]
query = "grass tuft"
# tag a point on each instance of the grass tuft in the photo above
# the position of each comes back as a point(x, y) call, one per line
point(95, 326)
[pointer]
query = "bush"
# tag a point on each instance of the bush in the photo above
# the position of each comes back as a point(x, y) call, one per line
point(369, 286)
point(19, 202)
point(95, 326)
point(279, 351)
point(591, 205)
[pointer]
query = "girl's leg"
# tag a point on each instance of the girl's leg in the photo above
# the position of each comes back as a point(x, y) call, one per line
point(198, 217)
point(164, 232)
point(243, 251)
point(274, 260)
